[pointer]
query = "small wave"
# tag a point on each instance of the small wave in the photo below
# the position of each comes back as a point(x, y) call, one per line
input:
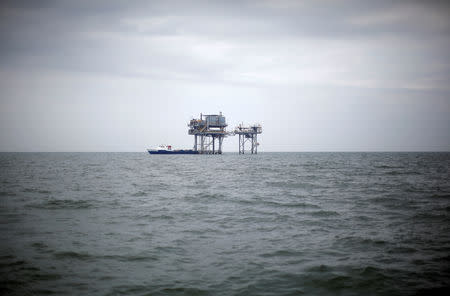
point(319, 268)
point(37, 190)
point(211, 195)
point(13, 263)
point(129, 290)
point(338, 279)
point(73, 255)
point(324, 213)
point(131, 258)
point(246, 202)
point(155, 217)
point(432, 216)
point(205, 195)
point(139, 194)
point(17, 275)
point(444, 195)
point(369, 271)
point(412, 189)
point(46, 277)
point(282, 253)
point(55, 204)
point(183, 291)
point(401, 250)
point(7, 193)
point(290, 185)
point(359, 242)
point(40, 247)
point(387, 167)
point(383, 199)
point(7, 257)
point(399, 173)
point(363, 218)
point(292, 205)
point(147, 290)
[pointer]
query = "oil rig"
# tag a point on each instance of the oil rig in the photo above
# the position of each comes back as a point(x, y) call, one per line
point(206, 130)
point(248, 134)
point(210, 130)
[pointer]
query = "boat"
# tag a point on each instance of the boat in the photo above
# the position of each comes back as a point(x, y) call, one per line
point(167, 149)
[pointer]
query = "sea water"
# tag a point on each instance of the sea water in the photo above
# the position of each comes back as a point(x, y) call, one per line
point(265, 224)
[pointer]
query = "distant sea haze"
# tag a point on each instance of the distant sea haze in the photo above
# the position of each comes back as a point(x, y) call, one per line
point(265, 224)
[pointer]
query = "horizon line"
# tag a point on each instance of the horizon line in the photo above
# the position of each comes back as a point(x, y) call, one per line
point(304, 151)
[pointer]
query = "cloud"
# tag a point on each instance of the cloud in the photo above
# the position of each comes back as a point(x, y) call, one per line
point(281, 42)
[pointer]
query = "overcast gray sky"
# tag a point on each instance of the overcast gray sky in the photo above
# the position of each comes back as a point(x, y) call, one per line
point(318, 75)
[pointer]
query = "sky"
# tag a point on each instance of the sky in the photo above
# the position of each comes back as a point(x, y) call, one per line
point(336, 75)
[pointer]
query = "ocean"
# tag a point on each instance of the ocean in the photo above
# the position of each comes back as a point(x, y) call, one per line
point(265, 224)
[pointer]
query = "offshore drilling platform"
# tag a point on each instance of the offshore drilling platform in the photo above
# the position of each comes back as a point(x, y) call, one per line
point(210, 130)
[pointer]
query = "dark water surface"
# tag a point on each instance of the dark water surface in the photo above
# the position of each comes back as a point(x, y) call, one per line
point(267, 224)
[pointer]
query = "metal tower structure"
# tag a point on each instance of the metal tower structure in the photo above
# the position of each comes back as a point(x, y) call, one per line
point(206, 131)
point(248, 134)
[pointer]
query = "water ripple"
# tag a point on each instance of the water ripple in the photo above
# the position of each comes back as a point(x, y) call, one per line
point(266, 224)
